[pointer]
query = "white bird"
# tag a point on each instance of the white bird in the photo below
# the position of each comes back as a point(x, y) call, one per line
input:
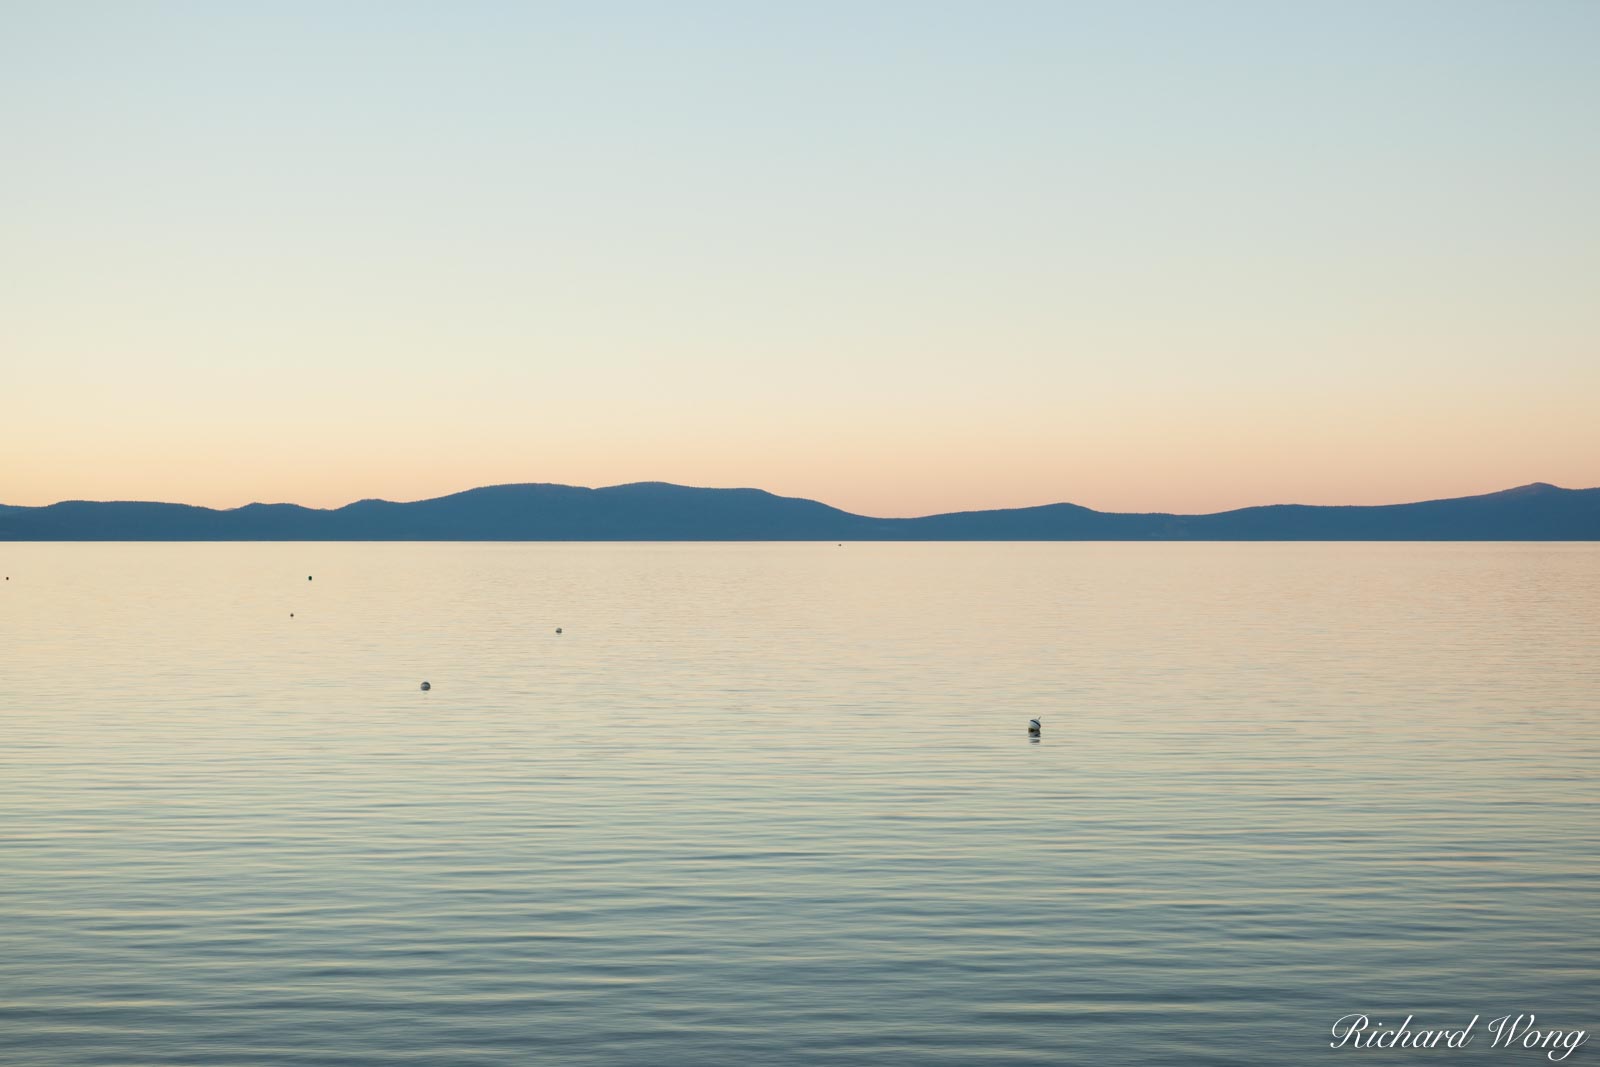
point(1033, 726)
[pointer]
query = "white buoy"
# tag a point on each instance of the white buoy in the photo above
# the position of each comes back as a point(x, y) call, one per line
point(426, 686)
point(1033, 726)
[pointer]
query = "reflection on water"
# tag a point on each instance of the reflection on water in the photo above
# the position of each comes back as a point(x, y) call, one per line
point(771, 804)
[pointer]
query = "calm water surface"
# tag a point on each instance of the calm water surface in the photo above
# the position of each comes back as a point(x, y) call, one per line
point(775, 804)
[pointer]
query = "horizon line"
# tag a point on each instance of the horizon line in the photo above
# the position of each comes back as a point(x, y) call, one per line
point(1536, 485)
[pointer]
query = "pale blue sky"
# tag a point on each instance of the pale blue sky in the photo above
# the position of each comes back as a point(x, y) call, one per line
point(899, 257)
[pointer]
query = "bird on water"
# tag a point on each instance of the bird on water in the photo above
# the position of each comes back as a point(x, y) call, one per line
point(426, 686)
point(1033, 727)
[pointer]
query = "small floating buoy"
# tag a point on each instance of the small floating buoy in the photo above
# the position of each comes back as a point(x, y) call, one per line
point(426, 686)
point(291, 614)
point(308, 577)
point(1033, 726)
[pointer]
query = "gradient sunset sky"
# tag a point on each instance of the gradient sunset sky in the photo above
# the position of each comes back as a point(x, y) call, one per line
point(898, 257)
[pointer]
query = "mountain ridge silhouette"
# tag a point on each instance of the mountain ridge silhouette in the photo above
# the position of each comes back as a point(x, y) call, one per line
point(663, 511)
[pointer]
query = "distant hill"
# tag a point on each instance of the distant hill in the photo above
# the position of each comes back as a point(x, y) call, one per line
point(657, 511)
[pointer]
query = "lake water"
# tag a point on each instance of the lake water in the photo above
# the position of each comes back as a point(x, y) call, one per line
point(776, 803)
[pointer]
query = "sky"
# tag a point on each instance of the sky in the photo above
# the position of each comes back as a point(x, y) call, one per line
point(903, 258)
